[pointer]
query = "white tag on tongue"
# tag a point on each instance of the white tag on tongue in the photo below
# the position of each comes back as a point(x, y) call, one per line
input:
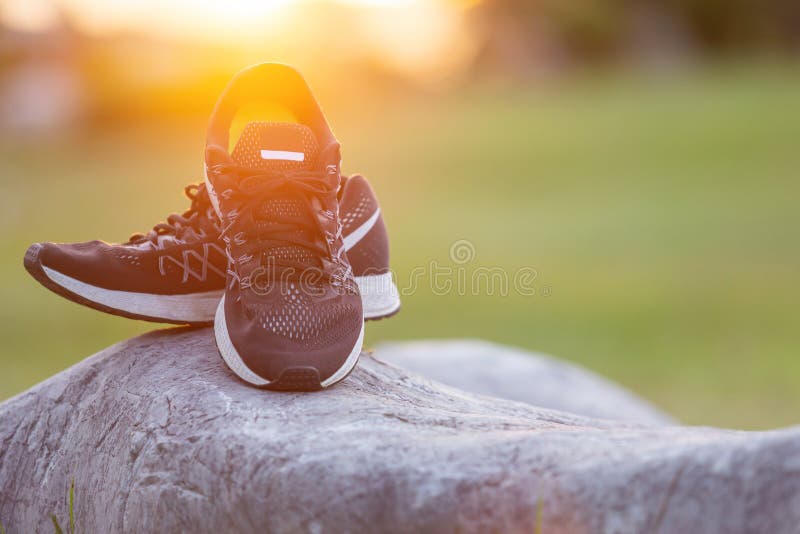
point(283, 155)
point(278, 146)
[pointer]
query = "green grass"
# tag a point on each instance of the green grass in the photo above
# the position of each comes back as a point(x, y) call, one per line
point(71, 511)
point(661, 216)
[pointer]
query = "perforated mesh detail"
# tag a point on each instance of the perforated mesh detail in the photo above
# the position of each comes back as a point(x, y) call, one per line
point(292, 254)
point(353, 216)
point(309, 323)
point(125, 255)
point(282, 136)
point(280, 207)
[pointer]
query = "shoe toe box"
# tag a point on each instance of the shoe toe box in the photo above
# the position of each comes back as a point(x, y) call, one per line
point(82, 261)
point(273, 337)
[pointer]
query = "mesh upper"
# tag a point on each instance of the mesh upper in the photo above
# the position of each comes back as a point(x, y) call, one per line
point(278, 136)
point(275, 136)
point(354, 215)
point(308, 322)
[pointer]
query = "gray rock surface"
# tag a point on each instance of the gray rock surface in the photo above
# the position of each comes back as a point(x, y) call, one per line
point(509, 373)
point(160, 437)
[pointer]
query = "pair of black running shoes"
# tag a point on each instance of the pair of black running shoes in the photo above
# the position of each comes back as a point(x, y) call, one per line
point(281, 253)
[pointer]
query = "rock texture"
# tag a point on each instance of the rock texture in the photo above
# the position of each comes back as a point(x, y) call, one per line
point(509, 373)
point(160, 437)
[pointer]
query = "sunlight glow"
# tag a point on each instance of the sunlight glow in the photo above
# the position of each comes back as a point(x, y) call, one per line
point(416, 36)
point(31, 15)
point(205, 20)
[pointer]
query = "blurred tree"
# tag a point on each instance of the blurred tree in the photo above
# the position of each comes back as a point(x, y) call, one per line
point(522, 38)
point(734, 26)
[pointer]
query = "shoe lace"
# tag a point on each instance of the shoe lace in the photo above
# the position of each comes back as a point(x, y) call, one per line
point(256, 232)
point(196, 218)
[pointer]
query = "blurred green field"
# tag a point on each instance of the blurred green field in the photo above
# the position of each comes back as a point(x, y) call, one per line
point(661, 215)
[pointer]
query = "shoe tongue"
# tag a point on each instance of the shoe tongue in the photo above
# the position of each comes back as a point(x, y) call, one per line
point(279, 146)
point(276, 146)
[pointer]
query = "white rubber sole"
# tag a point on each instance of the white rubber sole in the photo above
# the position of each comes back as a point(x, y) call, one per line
point(190, 308)
point(235, 363)
point(378, 293)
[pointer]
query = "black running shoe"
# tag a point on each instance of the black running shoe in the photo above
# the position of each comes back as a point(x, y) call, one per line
point(367, 244)
point(291, 317)
point(176, 272)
